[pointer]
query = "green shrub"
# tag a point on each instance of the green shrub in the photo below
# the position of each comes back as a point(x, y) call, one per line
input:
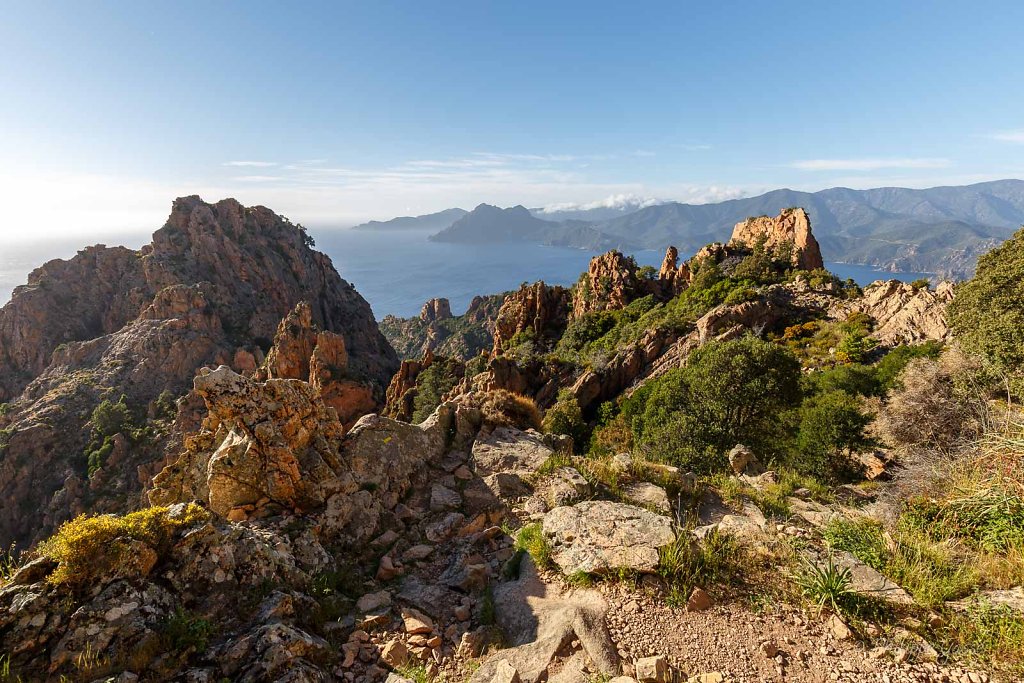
point(565, 417)
point(987, 314)
point(431, 385)
point(88, 548)
point(888, 369)
point(729, 392)
point(111, 418)
point(832, 431)
point(186, 631)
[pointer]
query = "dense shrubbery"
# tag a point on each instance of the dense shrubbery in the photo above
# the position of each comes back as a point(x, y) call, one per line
point(746, 391)
point(987, 314)
point(728, 393)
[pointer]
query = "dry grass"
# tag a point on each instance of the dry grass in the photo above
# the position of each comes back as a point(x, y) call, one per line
point(503, 408)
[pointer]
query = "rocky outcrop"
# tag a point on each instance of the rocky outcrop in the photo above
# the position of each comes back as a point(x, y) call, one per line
point(302, 351)
point(538, 310)
point(791, 229)
point(673, 276)
point(610, 283)
point(436, 309)
point(905, 314)
point(460, 337)
point(210, 289)
point(271, 447)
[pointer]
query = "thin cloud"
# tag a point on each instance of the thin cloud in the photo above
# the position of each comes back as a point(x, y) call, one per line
point(1015, 136)
point(251, 164)
point(644, 153)
point(694, 148)
point(868, 164)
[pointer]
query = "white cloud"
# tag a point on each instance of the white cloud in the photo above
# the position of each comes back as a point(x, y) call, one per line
point(615, 201)
point(1016, 136)
point(644, 153)
point(868, 164)
point(251, 164)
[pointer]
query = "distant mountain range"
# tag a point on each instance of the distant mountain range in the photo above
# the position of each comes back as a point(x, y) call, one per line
point(939, 230)
point(430, 221)
point(488, 224)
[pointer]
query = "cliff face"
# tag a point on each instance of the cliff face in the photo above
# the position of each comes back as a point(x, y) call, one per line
point(792, 227)
point(210, 289)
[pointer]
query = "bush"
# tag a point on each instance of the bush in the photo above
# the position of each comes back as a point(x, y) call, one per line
point(831, 431)
point(987, 314)
point(185, 631)
point(111, 418)
point(888, 369)
point(89, 548)
point(729, 392)
point(565, 417)
point(939, 404)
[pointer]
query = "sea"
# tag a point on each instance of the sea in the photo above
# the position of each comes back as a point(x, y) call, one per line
point(398, 271)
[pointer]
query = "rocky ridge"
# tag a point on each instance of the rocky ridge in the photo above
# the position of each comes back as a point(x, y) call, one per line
point(210, 289)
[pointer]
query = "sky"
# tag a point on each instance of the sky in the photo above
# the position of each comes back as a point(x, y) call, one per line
point(333, 113)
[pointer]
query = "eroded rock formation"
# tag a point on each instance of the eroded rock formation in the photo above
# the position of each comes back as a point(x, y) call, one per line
point(790, 229)
point(402, 390)
point(436, 309)
point(905, 314)
point(538, 310)
point(610, 283)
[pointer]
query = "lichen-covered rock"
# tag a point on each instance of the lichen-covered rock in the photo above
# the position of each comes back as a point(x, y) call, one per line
point(602, 536)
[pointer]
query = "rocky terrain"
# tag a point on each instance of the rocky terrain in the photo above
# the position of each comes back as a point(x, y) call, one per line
point(535, 513)
point(210, 289)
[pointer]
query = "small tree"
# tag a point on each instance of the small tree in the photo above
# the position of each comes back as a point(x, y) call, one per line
point(831, 431)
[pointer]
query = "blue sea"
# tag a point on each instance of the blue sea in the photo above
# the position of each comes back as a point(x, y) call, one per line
point(398, 271)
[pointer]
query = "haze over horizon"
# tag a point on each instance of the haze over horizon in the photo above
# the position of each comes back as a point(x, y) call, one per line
point(345, 112)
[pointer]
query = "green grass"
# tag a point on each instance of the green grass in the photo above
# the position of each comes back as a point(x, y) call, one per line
point(931, 571)
point(685, 565)
point(531, 539)
point(417, 673)
point(827, 585)
point(987, 635)
point(771, 499)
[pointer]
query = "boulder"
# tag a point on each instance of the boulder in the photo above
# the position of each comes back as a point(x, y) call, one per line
point(602, 536)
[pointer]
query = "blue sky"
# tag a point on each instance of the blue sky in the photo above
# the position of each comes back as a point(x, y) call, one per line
point(336, 112)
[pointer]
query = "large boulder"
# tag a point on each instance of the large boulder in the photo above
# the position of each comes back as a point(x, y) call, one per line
point(602, 536)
